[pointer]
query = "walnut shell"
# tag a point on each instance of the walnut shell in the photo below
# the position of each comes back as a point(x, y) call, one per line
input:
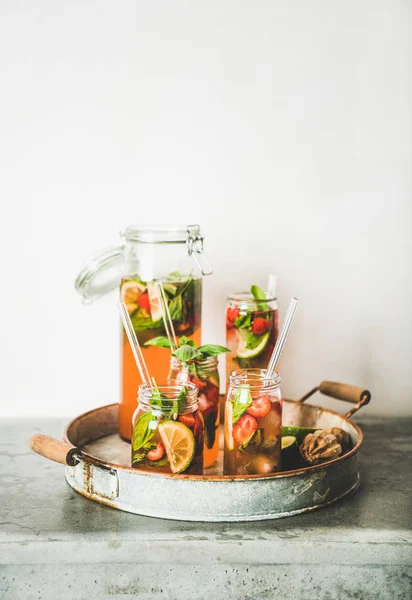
point(320, 446)
point(342, 436)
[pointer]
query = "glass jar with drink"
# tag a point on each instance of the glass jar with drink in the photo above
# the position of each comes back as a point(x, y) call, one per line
point(171, 254)
point(253, 423)
point(252, 328)
point(199, 365)
point(167, 435)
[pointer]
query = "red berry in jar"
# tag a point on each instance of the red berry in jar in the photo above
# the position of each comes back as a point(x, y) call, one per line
point(244, 428)
point(260, 407)
point(157, 453)
point(260, 326)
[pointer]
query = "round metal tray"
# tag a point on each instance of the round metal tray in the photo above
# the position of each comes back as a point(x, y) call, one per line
point(98, 466)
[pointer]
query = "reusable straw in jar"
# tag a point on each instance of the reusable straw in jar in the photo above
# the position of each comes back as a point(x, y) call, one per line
point(135, 346)
point(271, 289)
point(277, 350)
point(167, 318)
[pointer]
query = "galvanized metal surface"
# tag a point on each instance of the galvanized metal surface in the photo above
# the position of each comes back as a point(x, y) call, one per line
point(54, 543)
point(104, 474)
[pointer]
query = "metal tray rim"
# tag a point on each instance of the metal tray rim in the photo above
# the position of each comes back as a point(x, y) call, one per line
point(222, 478)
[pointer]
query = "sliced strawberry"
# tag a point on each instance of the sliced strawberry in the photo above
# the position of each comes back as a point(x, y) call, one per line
point(231, 316)
point(244, 428)
point(260, 407)
point(188, 420)
point(260, 325)
point(157, 453)
point(144, 302)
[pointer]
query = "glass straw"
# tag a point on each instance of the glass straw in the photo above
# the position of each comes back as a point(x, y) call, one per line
point(135, 346)
point(277, 350)
point(271, 288)
point(167, 318)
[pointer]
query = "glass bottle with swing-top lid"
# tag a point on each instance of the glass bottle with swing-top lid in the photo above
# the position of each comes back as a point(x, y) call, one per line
point(173, 255)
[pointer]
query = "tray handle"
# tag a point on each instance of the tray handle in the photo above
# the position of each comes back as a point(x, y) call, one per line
point(60, 452)
point(342, 391)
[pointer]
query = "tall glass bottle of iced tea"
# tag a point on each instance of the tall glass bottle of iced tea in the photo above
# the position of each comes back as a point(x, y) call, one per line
point(173, 255)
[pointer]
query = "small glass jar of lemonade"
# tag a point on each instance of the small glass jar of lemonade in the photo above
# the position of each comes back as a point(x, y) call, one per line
point(205, 375)
point(253, 423)
point(167, 434)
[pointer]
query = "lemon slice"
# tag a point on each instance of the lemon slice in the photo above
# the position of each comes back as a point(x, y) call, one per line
point(230, 444)
point(243, 352)
point(156, 311)
point(130, 293)
point(179, 443)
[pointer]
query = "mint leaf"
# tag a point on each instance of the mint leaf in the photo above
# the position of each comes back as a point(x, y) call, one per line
point(241, 402)
point(186, 353)
point(212, 350)
point(161, 342)
point(144, 430)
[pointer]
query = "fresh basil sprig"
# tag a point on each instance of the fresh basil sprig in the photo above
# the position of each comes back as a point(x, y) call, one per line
point(187, 350)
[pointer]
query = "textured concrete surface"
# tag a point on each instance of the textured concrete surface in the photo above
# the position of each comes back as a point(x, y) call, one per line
point(56, 544)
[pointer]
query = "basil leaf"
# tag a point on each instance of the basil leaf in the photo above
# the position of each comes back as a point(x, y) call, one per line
point(176, 308)
point(179, 404)
point(161, 342)
point(244, 321)
point(212, 350)
point(184, 341)
point(186, 353)
point(259, 294)
point(143, 431)
point(241, 402)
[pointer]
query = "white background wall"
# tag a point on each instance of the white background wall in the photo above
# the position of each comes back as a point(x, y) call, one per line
point(282, 127)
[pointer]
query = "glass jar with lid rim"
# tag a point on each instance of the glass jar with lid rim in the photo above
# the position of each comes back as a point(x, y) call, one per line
point(253, 423)
point(167, 435)
point(172, 254)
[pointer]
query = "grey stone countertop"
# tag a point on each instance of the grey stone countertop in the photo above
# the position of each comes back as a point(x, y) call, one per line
point(56, 544)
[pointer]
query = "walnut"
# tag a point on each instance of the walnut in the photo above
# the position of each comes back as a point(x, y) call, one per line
point(342, 436)
point(320, 446)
